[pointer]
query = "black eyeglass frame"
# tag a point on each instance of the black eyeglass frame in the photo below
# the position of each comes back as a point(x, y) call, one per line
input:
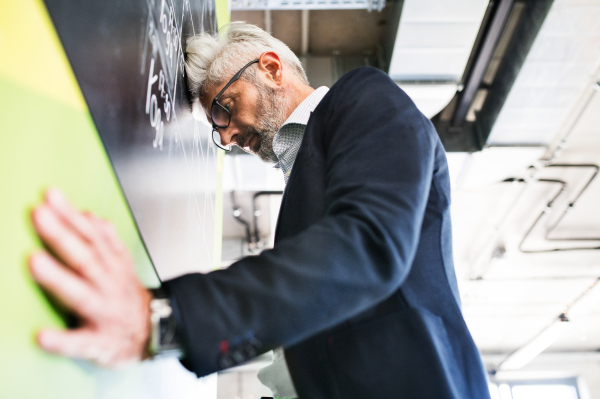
point(215, 103)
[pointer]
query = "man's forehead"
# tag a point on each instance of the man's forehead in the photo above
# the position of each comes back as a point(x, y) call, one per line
point(210, 92)
point(215, 88)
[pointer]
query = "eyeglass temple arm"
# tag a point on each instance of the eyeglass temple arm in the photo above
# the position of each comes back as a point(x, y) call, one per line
point(218, 144)
point(235, 77)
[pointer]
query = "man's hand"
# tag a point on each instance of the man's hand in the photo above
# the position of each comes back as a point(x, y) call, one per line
point(92, 274)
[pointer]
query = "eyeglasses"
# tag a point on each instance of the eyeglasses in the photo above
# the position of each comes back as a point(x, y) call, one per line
point(220, 115)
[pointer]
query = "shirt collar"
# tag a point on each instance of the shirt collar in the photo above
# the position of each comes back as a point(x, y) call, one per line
point(301, 114)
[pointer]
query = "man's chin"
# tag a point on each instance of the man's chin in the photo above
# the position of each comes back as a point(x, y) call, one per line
point(265, 154)
point(270, 160)
point(265, 157)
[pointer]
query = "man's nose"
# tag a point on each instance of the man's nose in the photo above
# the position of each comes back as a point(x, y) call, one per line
point(227, 135)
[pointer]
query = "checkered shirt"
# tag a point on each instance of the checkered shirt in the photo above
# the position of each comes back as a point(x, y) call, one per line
point(286, 142)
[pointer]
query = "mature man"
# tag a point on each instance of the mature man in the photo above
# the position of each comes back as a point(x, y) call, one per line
point(359, 289)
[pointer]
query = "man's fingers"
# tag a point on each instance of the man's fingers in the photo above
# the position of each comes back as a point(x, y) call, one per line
point(66, 286)
point(117, 259)
point(69, 215)
point(67, 244)
point(119, 252)
point(95, 231)
point(82, 343)
point(78, 344)
point(78, 221)
point(111, 235)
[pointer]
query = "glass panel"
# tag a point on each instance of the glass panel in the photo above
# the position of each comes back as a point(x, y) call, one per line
point(505, 392)
point(494, 393)
point(544, 391)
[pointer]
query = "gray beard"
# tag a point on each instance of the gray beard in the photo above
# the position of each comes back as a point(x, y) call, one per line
point(271, 115)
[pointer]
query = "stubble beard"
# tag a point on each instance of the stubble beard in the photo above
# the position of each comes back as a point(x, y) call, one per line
point(271, 116)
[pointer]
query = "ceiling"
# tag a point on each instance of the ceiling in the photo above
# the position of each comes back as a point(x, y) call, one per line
point(329, 30)
point(558, 67)
point(512, 296)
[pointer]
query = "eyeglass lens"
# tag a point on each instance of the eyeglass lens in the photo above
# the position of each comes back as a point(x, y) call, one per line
point(219, 115)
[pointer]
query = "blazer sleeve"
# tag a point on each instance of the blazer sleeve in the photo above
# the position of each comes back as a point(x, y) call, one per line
point(379, 152)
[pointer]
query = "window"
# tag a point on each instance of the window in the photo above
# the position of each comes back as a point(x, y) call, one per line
point(534, 389)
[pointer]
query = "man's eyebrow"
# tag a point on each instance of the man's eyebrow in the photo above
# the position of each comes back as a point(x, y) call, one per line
point(225, 97)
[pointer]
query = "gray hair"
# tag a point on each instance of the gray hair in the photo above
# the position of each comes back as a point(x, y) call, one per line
point(211, 59)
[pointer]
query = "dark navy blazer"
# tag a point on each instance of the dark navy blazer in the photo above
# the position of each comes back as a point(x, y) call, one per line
point(360, 288)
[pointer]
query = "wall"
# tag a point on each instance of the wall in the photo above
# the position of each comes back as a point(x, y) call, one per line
point(49, 139)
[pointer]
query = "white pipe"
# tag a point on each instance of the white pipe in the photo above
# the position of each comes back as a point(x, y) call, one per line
point(555, 150)
point(268, 21)
point(481, 263)
point(304, 33)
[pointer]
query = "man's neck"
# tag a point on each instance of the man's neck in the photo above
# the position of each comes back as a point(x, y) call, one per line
point(298, 93)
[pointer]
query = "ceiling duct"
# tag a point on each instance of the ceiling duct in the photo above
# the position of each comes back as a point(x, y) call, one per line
point(555, 73)
point(505, 38)
point(431, 47)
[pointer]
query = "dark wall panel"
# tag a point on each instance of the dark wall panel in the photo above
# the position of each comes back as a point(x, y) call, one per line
point(128, 57)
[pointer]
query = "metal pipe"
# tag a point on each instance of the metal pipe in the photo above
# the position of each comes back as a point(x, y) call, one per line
point(572, 203)
point(268, 21)
point(476, 270)
point(548, 209)
point(237, 214)
point(256, 211)
point(304, 33)
point(563, 142)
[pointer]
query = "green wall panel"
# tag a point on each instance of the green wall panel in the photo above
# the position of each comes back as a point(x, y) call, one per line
point(48, 139)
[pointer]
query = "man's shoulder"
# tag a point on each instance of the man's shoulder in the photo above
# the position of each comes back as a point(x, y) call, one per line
point(357, 86)
point(363, 79)
point(361, 74)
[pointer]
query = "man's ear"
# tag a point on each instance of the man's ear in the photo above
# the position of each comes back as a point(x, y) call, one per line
point(271, 67)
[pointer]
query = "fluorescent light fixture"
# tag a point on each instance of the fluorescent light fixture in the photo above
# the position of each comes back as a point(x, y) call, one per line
point(528, 352)
point(579, 308)
point(435, 39)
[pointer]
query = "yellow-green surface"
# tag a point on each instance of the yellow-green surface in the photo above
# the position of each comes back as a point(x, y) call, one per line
point(48, 139)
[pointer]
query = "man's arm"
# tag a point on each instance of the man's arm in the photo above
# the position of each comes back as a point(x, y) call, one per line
point(380, 163)
point(379, 156)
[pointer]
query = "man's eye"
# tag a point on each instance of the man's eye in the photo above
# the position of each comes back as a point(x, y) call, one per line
point(227, 106)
